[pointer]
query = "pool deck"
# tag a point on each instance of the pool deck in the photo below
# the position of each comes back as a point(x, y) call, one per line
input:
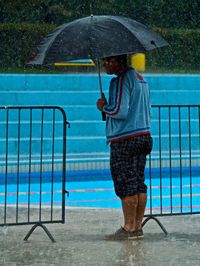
point(80, 241)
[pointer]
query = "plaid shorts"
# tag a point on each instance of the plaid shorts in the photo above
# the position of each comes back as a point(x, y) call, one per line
point(127, 164)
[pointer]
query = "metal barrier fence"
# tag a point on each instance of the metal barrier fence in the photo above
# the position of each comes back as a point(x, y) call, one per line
point(175, 162)
point(32, 166)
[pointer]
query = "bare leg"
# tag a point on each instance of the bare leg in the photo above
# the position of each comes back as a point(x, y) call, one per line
point(142, 199)
point(129, 206)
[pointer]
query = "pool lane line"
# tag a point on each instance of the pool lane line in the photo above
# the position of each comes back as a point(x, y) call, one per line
point(90, 190)
point(77, 191)
point(30, 193)
point(112, 189)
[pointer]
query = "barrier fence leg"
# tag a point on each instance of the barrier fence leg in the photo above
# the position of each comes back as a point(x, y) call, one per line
point(158, 222)
point(44, 228)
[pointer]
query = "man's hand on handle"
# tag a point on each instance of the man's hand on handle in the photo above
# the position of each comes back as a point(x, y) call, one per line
point(101, 102)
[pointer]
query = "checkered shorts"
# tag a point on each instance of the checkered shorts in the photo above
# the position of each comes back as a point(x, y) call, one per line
point(127, 164)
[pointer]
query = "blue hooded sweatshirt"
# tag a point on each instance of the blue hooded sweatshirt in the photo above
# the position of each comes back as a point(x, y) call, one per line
point(128, 107)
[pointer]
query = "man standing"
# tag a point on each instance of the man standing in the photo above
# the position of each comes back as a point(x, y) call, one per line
point(128, 132)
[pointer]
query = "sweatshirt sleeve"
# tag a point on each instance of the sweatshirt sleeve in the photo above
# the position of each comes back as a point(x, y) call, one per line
point(119, 106)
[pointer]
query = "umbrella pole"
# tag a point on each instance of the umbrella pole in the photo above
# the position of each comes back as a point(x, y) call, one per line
point(99, 76)
point(100, 86)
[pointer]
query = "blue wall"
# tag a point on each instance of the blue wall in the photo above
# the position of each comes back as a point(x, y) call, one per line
point(77, 94)
point(81, 89)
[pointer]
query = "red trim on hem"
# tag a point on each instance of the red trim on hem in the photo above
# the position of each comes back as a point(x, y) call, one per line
point(130, 136)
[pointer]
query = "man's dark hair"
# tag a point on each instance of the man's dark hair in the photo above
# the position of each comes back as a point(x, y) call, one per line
point(122, 58)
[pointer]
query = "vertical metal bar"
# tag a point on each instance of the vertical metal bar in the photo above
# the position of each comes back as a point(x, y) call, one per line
point(180, 158)
point(30, 161)
point(41, 159)
point(170, 157)
point(160, 155)
point(190, 155)
point(18, 162)
point(150, 183)
point(64, 166)
point(6, 166)
point(199, 125)
point(52, 168)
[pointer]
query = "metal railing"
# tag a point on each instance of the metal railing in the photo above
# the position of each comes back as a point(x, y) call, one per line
point(32, 166)
point(175, 162)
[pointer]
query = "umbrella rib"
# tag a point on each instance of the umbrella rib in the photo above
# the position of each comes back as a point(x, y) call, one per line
point(89, 36)
point(53, 35)
point(49, 40)
point(132, 33)
point(138, 38)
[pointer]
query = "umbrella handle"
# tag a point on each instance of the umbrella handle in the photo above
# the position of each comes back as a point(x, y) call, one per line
point(103, 115)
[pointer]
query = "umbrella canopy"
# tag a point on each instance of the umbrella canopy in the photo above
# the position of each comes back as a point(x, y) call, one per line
point(96, 37)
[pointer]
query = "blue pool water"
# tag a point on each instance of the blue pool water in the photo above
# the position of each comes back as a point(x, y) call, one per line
point(86, 136)
point(163, 193)
point(101, 194)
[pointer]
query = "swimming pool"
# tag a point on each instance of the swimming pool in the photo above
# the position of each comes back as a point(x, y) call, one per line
point(175, 130)
point(164, 195)
point(100, 194)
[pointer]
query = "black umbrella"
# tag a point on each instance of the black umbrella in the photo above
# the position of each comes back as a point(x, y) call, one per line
point(96, 37)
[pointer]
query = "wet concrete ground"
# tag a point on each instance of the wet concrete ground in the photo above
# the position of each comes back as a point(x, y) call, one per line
point(80, 241)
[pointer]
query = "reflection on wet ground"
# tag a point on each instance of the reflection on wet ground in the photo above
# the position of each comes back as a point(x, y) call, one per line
point(80, 241)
